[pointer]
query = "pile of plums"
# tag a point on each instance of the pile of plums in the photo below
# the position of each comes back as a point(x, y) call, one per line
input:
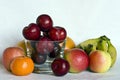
point(45, 40)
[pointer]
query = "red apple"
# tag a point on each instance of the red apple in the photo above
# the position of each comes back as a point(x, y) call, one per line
point(78, 60)
point(9, 54)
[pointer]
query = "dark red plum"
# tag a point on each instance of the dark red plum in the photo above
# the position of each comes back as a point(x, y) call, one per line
point(44, 45)
point(57, 33)
point(60, 67)
point(31, 32)
point(39, 58)
point(45, 22)
point(56, 51)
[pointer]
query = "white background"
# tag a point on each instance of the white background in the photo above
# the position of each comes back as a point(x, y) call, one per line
point(83, 19)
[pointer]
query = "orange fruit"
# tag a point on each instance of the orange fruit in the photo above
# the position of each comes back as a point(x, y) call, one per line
point(69, 43)
point(22, 66)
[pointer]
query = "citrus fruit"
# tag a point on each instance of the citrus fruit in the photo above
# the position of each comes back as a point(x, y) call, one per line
point(22, 66)
point(69, 43)
point(9, 54)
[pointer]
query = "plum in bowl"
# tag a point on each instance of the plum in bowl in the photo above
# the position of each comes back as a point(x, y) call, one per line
point(43, 52)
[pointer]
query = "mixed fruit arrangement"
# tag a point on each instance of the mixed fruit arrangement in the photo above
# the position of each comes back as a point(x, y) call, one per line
point(96, 55)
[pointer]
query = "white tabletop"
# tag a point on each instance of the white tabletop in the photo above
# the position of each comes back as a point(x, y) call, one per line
point(83, 19)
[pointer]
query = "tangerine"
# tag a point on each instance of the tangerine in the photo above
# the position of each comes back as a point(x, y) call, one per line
point(69, 43)
point(22, 66)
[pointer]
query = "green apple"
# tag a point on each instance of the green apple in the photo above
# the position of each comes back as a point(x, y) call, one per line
point(100, 61)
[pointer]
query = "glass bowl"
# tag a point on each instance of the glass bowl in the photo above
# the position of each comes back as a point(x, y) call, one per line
point(43, 53)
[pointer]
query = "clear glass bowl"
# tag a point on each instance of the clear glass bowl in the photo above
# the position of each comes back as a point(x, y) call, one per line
point(43, 53)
